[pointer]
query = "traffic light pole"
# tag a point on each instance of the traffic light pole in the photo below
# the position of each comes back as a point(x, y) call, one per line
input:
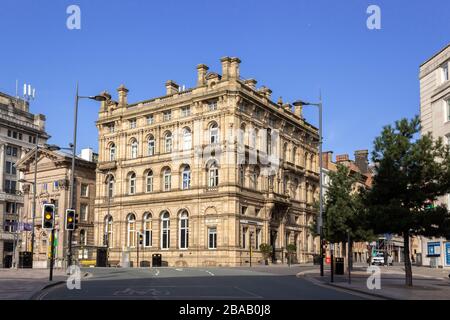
point(52, 254)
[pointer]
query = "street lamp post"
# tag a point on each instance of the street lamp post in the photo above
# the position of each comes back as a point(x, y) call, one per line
point(72, 174)
point(320, 222)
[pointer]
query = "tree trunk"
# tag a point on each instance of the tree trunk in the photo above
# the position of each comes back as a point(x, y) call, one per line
point(350, 254)
point(408, 268)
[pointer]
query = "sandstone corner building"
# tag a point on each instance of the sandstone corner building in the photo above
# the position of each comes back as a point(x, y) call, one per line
point(204, 176)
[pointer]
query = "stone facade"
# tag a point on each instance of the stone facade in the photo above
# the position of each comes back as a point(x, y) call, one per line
point(53, 186)
point(221, 163)
point(434, 78)
point(20, 130)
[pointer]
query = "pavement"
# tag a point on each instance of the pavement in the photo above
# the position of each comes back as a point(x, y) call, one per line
point(428, 283)
point(238, 283)
point(22, 284)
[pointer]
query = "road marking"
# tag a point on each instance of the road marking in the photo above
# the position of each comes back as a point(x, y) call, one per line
point(209, 272)
point(179, 269)
point(157, 272)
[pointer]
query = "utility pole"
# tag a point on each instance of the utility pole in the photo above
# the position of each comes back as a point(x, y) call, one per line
point(332, 261)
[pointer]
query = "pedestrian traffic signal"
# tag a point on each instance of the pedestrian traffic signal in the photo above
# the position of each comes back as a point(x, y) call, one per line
point(70, 220)
point(48, 216)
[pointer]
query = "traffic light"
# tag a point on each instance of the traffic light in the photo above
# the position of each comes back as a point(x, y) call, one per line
point(76, 221)
point(70, 219)
point(141, 239)
point(48, 216)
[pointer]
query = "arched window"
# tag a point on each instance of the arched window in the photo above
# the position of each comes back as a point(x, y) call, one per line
point(186, 174)
point(167, 179)
point(83, 237)
point(241, 136)
point(255, 177)
point(165, 230)
point(184, 230)
point(112, 152)
point(131, 230)
point(168, 142)
point(285, 152)
point(134, 149)
point(83, 252)
point(151, 145)
point(285, 185)
point(108, 239)
point(254, 139)
point(149, 181)
point(242, 175)
point(294, 155)
point(213, 133)
point(110, 186)
point(269, 142)
point(132, 183)
point(296, 189)
point(213, 175)
point(306, 161)
point(147, 229)
point(187, 139)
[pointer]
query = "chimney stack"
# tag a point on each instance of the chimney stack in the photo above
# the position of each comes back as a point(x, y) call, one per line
point(251, 83)
point(234, 72)
point(123, 93)
point(298, 110)
point(327, 158)
point(202, 70)
point(171, 87)
point(226, 61)
point(342, 158)
point(362, 160)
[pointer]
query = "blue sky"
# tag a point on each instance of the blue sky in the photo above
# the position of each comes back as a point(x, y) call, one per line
point(369, 78)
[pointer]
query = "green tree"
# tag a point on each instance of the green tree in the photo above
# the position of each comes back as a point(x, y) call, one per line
point(291, 250)
point(266, 250)
point(411, 172)
point(344, 213)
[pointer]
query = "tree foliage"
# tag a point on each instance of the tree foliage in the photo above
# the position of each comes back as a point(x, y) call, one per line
point(344, 212)
point(411, 174)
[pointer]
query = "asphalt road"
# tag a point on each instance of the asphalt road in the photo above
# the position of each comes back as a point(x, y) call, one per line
point(257, 283)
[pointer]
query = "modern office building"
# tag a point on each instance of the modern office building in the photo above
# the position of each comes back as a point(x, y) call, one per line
point(204, 176)
point(20, 130)
point(435, 117)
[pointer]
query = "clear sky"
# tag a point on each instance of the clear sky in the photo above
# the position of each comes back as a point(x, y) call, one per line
point(369, 78)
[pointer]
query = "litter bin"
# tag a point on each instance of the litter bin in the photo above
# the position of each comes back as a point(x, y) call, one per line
point(339, 266)
point(156, 260)
point(25, 260)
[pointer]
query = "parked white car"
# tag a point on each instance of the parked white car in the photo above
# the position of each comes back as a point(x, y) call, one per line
point(378, 259)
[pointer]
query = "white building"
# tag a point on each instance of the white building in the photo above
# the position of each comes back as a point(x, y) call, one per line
point(20, 130)
point(435, 116)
